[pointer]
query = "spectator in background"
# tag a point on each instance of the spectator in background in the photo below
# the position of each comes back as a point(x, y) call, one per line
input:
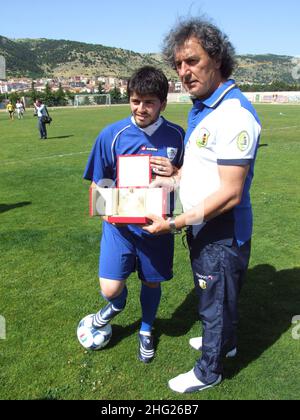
point(11, 110)
point(41, 112)
point(20, 109)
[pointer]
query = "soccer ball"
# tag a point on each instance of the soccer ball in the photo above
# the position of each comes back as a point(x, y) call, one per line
point(92, 338)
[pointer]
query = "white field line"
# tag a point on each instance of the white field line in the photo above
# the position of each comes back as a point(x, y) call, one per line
point(12, 162)
point(281, 128)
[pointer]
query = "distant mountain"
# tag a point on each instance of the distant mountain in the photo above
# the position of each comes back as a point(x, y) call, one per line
point(43, 57)
point(265, 69)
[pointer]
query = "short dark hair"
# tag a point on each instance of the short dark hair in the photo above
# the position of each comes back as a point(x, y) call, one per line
point(148, 80)
point(211, 38)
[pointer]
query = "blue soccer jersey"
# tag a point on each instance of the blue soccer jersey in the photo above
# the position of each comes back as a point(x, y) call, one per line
point(126, 138)
point(125, 249)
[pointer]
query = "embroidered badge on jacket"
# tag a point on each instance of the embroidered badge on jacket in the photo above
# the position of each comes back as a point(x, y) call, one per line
point(202, 140)
point(172, 152)
point(243, 141)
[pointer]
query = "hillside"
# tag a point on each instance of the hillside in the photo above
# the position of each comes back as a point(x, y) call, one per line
point(264, 69)
point(44, 57)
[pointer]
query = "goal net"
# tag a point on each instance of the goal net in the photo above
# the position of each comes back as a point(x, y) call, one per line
point(92, 100)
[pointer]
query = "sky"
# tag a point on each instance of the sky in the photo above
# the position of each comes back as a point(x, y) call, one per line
point(254, 27)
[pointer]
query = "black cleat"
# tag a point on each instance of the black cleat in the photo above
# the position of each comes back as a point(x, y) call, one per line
point(146, 349)
point(105, 315)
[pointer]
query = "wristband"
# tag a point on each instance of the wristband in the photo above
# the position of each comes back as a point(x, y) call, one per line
point(173, 227)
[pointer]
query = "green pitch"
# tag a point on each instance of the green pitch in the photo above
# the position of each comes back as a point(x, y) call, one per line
point(49, 260)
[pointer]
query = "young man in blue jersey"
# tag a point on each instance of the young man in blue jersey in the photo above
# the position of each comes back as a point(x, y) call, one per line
point(125, 249)
point(221, 145)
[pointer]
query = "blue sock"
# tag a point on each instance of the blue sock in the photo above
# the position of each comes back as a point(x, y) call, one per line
point(118, 302)
point(107, 313)
point(150, 299)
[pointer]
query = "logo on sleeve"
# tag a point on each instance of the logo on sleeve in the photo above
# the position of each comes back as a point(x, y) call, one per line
point(243, 141)
point(202, 140)
point(172, 152)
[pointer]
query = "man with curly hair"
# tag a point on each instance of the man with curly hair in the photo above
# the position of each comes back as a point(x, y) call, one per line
point(220, 150)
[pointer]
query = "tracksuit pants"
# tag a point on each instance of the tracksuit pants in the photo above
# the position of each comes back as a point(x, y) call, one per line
point(42, 128)
point(219, 271)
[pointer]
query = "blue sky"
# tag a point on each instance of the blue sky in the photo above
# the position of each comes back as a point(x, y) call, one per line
point(259, 26)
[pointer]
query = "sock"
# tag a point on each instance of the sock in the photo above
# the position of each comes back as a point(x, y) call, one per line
point(118, 302)
point(150, 299)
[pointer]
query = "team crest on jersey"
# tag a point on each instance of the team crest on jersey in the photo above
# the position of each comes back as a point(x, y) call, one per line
point(243, 141)
point(202, 140)
point(172, 152)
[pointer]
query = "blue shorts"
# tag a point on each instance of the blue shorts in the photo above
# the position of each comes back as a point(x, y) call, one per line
point(128, 249)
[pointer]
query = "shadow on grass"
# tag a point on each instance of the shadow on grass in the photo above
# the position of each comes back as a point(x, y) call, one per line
point(178, 325)
point(267, 305)
point(182, 319)
point(7, 207)
point(269, 301)
point(60, 137)
point(120, 332)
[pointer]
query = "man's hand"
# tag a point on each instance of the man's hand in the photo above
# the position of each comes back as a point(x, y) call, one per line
point(166, 182)
point(159, 225)
point(162, 166)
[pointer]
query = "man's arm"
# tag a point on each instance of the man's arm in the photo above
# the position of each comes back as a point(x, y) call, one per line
point(229, 195)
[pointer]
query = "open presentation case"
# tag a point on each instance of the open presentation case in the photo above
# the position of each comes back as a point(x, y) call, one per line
point(132, 199)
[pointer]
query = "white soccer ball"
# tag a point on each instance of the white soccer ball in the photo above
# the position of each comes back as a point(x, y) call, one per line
point(92, 338)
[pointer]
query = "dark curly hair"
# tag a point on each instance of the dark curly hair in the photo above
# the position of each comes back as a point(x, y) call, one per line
point(148, 80)
point(212, 40)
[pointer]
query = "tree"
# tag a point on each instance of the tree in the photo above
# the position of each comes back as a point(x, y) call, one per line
point(60, 97)
point(115, 95)
point(101, 88)
point(13, 97)
point(70, 96)
point(48, 96)
point(125, 97)
point(33, 93)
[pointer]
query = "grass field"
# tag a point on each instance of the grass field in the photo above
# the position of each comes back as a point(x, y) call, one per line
point(49, 262)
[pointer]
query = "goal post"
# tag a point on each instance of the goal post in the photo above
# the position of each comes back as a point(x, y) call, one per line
point(92, 99)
